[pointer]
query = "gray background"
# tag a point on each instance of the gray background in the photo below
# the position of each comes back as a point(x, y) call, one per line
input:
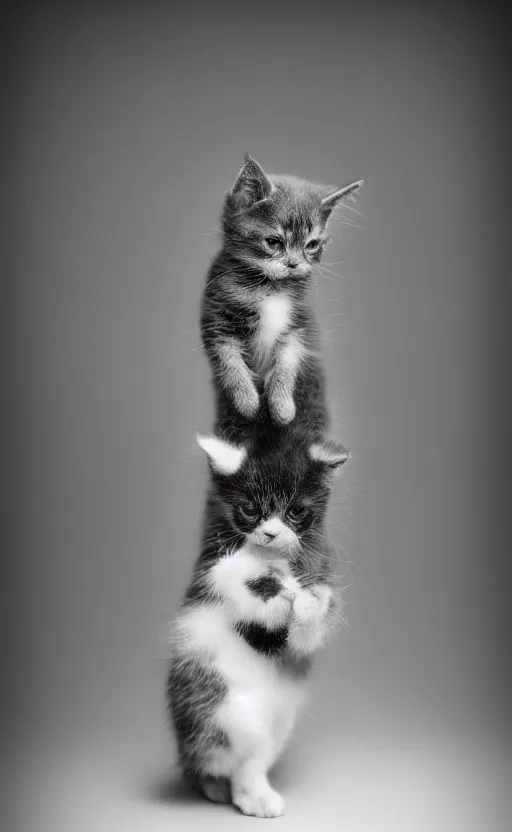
point(131, 122)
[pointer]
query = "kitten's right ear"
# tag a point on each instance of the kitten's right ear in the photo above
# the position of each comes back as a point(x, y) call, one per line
point(224, 458)
point(329, 453)
point(344, 194)
point(252, 183)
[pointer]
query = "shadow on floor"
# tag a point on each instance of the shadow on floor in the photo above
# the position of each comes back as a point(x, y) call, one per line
point(173, 788)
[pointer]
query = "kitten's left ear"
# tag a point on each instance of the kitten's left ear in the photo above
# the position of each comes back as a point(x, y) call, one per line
point(329, 453)
point(224, 458)
point(252, 183)
point(341, 195)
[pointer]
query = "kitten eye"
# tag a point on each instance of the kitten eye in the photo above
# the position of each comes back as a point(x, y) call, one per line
point(249, 511)
point(313, 245)
point(273, 242)
point(297, 513)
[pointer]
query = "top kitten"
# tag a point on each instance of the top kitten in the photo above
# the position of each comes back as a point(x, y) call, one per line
point(256, 325)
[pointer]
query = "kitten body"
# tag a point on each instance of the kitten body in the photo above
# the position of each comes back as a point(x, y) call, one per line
point(262, 598)
point(239, 674)
point(263, 344)
point(257, 326)
point(261, 601)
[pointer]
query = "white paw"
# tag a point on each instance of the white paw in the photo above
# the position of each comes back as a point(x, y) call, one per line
point(282, 409)
point(323, 594)
point(307, 629)
point(311, 605)
point(278, 609)
point(291, 586)
point(247, 401)
point(305, 608)
point(265, 804)
point(280, 399)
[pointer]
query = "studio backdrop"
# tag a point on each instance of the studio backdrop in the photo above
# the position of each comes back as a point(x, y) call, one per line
point(130, 122)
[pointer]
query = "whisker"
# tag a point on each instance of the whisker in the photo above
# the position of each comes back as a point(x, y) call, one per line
point(331, 272)
point(337, 236)
point(237, 270)
point(347, 561)
point(213, 538)
point(326, 276)
point(355, 211)
point(343, 221)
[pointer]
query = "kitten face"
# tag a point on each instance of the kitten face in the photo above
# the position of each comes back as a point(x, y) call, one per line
point(274, 496)
point(277, 224)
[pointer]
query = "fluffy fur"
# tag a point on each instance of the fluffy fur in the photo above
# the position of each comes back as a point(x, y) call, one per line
point(262, 598)
point(257, 326)
point(258, 606)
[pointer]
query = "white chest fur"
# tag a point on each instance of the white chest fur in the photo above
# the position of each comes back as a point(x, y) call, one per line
point(261, 702)
point(274, 321)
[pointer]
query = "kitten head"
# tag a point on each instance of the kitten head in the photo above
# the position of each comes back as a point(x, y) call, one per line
point(273, 496)
point(277, 224)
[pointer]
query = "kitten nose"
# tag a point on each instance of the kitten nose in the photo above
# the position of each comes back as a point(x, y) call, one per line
point(270, 535)
point(292, 264)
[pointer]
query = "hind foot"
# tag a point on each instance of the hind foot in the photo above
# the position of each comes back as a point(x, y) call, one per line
point(216, 789)
point(266, 803)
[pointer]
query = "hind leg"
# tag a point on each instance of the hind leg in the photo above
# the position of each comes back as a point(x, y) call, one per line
point(252, 793)
point(216, 789)
point(254, 747)
point(238, 774)
point(251, 790)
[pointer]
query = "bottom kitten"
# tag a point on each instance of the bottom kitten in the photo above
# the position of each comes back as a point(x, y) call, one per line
point(238, 675)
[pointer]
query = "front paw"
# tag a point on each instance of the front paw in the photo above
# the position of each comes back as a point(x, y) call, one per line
point(247, 401)
point(279, 610)
point(280, 607)
point(280, 401)
point(308, 625)
point(311, 605)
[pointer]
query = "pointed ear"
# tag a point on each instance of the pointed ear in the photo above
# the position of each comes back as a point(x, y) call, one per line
point(224, 458)
point(252, 183)
point(344, 194)
point(329, 453)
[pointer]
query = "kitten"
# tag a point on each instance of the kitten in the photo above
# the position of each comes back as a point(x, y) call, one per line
point(257, 328)
point(261, 601)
